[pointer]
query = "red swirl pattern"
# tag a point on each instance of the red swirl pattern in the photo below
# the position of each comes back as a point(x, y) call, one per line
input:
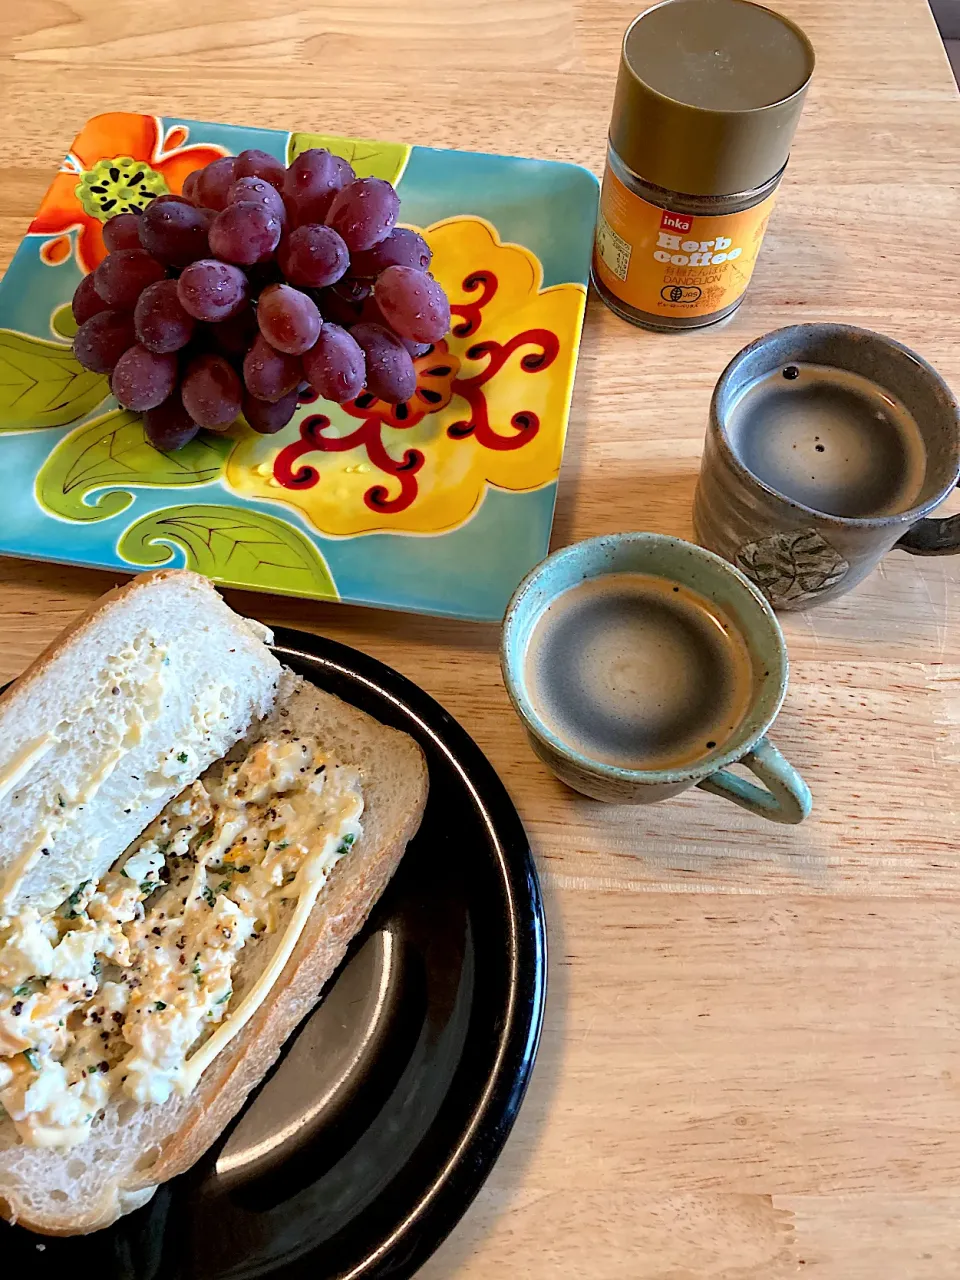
point(437, 383)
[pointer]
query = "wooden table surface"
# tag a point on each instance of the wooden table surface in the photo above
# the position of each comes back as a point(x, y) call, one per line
point(751, 1060)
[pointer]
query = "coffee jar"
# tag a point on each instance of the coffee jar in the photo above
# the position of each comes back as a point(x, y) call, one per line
point(708, 97)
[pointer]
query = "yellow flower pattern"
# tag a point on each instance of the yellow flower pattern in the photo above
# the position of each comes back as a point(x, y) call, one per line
point(490, 407)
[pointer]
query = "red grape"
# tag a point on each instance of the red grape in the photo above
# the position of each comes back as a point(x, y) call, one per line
point(288, 319)
point(234, 336)
point(122, 276)
point(314, 256)
point(311, 182)
point(364, 212)
point(169, 426)
point(161, 323)
point(401, 248)
point(211, 391)
point(390, 372)
point(100, 341)
point(335, 365)
point(86, 301)
point(190, 186)
point(269, 374)
point(245, 233)
point(122, 231)
point(211, 290)
point(174, 232)
point(308, 209)
point(268, 417)
point(213, 183)
point(143, 379)
point(260, 164)
point(258, 191)
point(343, 302)
point(263, 273)
point(413, 303)
point(416, 349)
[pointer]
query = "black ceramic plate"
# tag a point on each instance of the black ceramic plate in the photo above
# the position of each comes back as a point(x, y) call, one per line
point(368, 1140)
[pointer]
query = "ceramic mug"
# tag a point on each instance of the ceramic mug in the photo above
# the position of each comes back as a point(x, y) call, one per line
point(784, 797)
point(796, 554)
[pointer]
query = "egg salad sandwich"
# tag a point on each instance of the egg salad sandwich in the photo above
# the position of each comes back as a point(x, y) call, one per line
point(190, 836)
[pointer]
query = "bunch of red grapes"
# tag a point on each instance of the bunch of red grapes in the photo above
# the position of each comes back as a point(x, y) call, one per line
point(258, 283)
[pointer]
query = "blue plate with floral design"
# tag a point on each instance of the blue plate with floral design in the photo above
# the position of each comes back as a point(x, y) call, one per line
point(438, 505)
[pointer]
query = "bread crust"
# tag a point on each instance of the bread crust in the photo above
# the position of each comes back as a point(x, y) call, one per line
point(355, 885)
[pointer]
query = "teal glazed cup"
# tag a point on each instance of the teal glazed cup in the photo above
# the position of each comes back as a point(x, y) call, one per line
point(783, 797)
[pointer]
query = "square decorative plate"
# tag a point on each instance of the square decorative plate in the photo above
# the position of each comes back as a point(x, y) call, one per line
point(439, 505)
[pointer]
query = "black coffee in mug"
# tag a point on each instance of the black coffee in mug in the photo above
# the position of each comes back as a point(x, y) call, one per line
point(831, 439)
point(632, 670)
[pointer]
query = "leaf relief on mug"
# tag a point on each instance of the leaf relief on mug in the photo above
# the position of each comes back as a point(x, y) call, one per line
point(792, 566)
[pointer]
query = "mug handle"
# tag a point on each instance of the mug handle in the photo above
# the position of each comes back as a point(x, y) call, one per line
point(932, 537)
point(788, 797)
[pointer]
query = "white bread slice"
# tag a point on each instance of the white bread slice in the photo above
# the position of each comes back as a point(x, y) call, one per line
point(106, 726)
point(133, 1149)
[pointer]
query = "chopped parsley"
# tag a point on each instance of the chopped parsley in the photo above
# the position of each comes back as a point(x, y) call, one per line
point(148, 886)
point(196, 972)
point(207, 894)
point(224, 999)
point(244, 869)
point(159, 1006)
point(32, 1058)
point(182, 757)
point(60, 801)
point(73, 900)
point(223, 886)
point(22, 990)
point(284, 844)
point(345, 843)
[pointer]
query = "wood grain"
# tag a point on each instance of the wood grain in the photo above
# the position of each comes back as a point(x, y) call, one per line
point(751, 1061)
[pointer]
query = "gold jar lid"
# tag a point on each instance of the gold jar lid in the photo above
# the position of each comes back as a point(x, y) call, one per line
point(709, 95)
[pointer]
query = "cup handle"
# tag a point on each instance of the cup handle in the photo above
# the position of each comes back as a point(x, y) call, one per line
point(785, 797)
point(932, 537)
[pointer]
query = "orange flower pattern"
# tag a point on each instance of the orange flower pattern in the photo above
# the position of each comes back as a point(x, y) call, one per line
point(118, 163)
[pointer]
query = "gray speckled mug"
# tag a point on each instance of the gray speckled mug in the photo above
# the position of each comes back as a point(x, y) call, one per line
point(797, 554)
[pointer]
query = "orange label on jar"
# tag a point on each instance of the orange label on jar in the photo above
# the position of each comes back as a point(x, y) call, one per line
point(674, 264)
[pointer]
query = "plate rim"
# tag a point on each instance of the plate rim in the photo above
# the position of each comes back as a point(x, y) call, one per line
point(477, 1148)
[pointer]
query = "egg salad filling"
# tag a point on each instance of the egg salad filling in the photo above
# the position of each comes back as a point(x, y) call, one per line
point(127, 987)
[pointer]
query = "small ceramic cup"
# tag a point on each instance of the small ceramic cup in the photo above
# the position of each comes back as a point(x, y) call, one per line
point(797, 555)
point(784, 797)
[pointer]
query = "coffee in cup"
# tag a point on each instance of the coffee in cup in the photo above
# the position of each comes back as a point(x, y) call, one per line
point(637, 671)
point(831, 439)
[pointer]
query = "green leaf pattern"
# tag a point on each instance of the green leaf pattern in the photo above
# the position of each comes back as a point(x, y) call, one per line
point(112, 450)
point(369, 159)
point(63, 324)
point(42, 385)
point(236, 546)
